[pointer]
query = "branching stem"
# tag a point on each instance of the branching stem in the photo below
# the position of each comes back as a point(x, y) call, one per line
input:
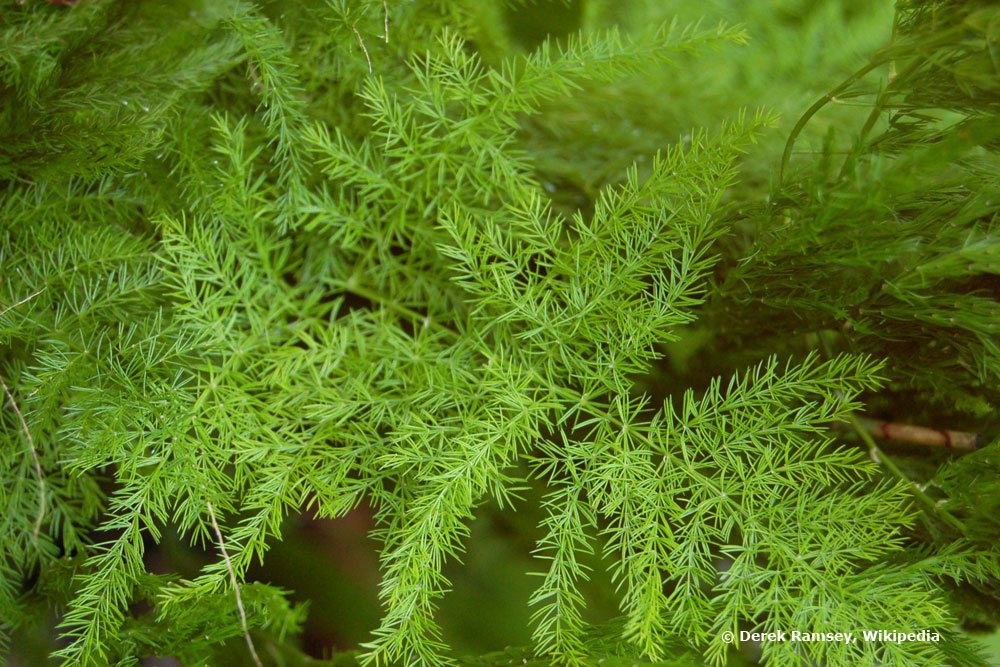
point(814, 109)
point(877, 109)
point(563, 392)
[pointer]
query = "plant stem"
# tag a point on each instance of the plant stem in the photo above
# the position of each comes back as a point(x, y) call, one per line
point(925, 500)
point(236, 585)
point(34, 459)
point(814, 109)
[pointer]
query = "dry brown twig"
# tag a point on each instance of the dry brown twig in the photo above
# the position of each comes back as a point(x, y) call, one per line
point(920, 435)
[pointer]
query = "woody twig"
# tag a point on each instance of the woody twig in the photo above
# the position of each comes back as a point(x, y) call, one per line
point(924, 436)
point(929, 504)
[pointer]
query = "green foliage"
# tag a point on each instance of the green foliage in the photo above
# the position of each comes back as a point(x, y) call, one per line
point(915, 204)
point(268, 259)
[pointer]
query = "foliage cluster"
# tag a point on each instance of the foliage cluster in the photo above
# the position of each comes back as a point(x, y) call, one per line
point(262, 259)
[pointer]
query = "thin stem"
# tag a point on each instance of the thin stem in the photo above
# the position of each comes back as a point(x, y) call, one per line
point(880, 457)
point(34, 459)
point(236, 585)
point(923, 436)
point(924, 499)
point(890, 56)
point(814, 109)
point(24, 300)
point(876, 111)
point(363, 47)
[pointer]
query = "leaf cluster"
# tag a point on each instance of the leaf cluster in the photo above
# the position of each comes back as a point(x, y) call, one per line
point(260, 264)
